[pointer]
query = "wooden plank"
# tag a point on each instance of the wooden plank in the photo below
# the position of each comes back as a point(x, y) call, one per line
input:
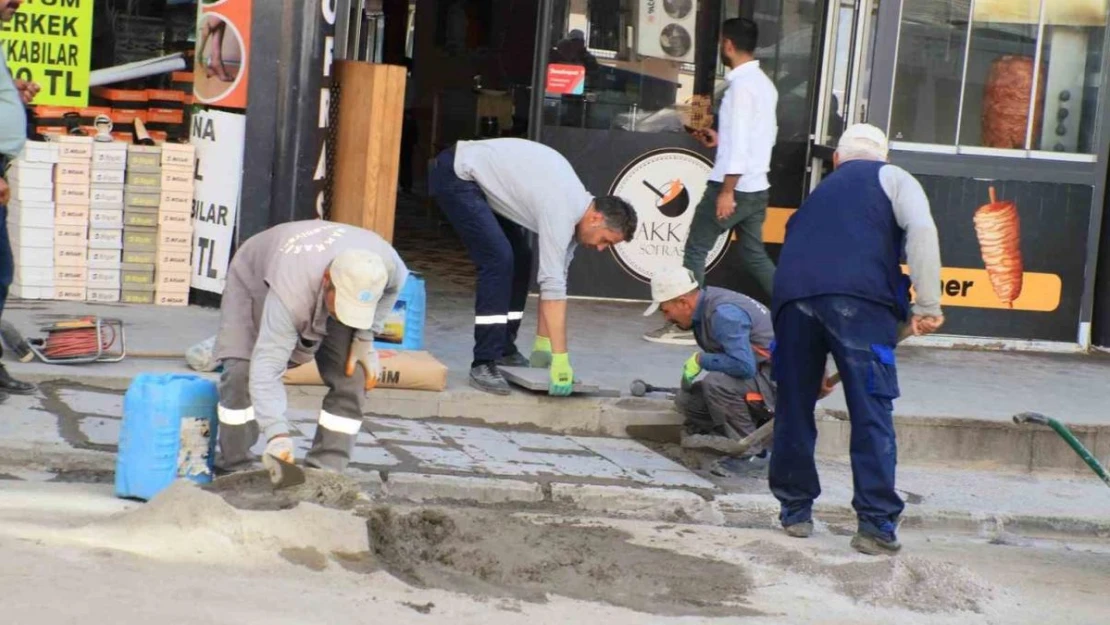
point(538, 380)
point(368, 146)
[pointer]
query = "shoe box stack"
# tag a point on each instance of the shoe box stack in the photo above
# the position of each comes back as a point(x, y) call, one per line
point(31, 220)
point(72, 203)
point(142, 197)
point(109, 175)
point(175, 226)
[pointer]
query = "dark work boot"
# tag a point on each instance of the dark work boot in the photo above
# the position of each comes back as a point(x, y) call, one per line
point(875, 545)
point(485, 377)
point(515, 359)
point(12, 386)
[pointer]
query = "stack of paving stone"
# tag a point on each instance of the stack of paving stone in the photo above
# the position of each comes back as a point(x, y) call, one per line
point(142, 196)
point(175, 226)
point(31, 220)
point(72, 200)
point(109, 175)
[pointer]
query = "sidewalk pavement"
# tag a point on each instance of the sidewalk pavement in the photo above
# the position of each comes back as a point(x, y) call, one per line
point(69, 433)
point(606, 348)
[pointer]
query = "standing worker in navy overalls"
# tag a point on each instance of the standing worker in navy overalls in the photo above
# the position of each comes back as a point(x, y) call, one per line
point(840, 289)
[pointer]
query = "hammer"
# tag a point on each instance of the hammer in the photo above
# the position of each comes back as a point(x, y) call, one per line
point(641, 388)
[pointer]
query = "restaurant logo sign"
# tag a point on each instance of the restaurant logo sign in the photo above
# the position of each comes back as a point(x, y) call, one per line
point(663, 187)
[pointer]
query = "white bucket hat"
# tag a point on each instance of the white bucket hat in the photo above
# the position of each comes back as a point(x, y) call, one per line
point(670, 284)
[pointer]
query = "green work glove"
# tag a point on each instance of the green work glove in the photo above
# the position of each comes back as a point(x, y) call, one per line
point(691, 368)
point(541, 353)
point(562, 376)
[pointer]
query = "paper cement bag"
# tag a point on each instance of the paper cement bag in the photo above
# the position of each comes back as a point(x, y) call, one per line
point(417, 371)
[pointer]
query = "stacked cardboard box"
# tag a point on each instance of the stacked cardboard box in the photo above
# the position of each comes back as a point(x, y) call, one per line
point(109, 175)
point(142, 197)
point(72, 200)
point(175, 226)
point(31, 220)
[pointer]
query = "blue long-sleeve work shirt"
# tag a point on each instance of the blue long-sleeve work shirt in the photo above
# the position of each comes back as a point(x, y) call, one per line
point(732, 328)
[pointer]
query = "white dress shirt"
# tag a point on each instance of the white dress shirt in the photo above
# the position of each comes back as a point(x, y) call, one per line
point(747, 128)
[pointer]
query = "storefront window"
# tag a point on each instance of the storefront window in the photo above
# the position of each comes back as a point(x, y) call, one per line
point(999, 75)
point(614, 66)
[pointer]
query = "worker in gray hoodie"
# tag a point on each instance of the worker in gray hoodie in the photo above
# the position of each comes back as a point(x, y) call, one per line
point(492, 192)
point(300, 291)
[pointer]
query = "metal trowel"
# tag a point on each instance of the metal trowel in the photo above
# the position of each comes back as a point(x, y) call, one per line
point(282, 474)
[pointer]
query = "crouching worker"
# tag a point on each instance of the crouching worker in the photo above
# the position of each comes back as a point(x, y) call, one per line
point(299, 291)
point(736, 394)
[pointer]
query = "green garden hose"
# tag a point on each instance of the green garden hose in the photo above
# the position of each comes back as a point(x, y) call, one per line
point(1069, 438)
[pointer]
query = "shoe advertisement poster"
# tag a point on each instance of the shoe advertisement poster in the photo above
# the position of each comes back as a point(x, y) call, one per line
point(223, 53)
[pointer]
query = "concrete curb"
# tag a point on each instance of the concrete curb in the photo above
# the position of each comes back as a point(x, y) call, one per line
point(734, 510)
point(657, 504)
point(421, 487)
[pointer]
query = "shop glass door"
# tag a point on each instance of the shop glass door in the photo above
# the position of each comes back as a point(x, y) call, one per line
point(625, 79)
point(845, 78)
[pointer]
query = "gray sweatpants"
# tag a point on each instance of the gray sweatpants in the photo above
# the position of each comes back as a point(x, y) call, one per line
point(716, 405)
point(340, 416)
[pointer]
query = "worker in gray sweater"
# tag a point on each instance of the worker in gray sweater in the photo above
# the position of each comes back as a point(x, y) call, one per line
point(492, 192)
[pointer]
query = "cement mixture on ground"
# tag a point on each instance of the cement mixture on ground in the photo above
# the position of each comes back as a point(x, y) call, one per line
point(494, 553)
point(75, 552)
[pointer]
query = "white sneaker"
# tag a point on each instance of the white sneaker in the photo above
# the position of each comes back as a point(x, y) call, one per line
point(671, 334)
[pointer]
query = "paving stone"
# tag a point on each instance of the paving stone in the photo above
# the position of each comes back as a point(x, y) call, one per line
point(441, 457)
point(100, 430)
point(461, 433)
point(420, 487)
point(492, 450)
point(403, 430)
point(544, 442)
point(91, 402)
point(517, 469)
point(642, 503)
point(29, 426)
point(373, 455)
point(302, 415)
point(585, 467)
point(683, 478)
point(629, 454)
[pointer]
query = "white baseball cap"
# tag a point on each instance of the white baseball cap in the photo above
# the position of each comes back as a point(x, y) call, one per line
point(865, 137)
point(670, 284)
point(359, 277)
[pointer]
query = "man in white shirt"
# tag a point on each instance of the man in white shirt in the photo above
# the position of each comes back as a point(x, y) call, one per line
point(736, 195)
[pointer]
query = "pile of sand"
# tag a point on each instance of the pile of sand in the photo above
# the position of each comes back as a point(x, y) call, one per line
point(903, 582)
point(186, 523)
point(492, 553)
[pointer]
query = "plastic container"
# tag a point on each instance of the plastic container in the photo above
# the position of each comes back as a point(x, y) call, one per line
point(404, 327)
point(168, 432)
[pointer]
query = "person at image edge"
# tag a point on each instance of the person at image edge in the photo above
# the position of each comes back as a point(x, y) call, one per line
point(840, 289)
point(15, 95)
point(736, 194)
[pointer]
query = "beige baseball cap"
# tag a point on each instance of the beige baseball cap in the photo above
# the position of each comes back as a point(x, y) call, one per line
point(359, 277)
point(865, 136)
point(669, 284)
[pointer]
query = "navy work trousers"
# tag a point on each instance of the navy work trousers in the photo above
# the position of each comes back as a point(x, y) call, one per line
point(860, 335)
point(7, 261)
point(501, 251)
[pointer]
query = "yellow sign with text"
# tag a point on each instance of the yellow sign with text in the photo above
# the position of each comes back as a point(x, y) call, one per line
point(971, 288)
point(49, 42)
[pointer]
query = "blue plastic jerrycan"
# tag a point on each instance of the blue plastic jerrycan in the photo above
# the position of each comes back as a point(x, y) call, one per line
point(168, 432)
point(404, 327)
